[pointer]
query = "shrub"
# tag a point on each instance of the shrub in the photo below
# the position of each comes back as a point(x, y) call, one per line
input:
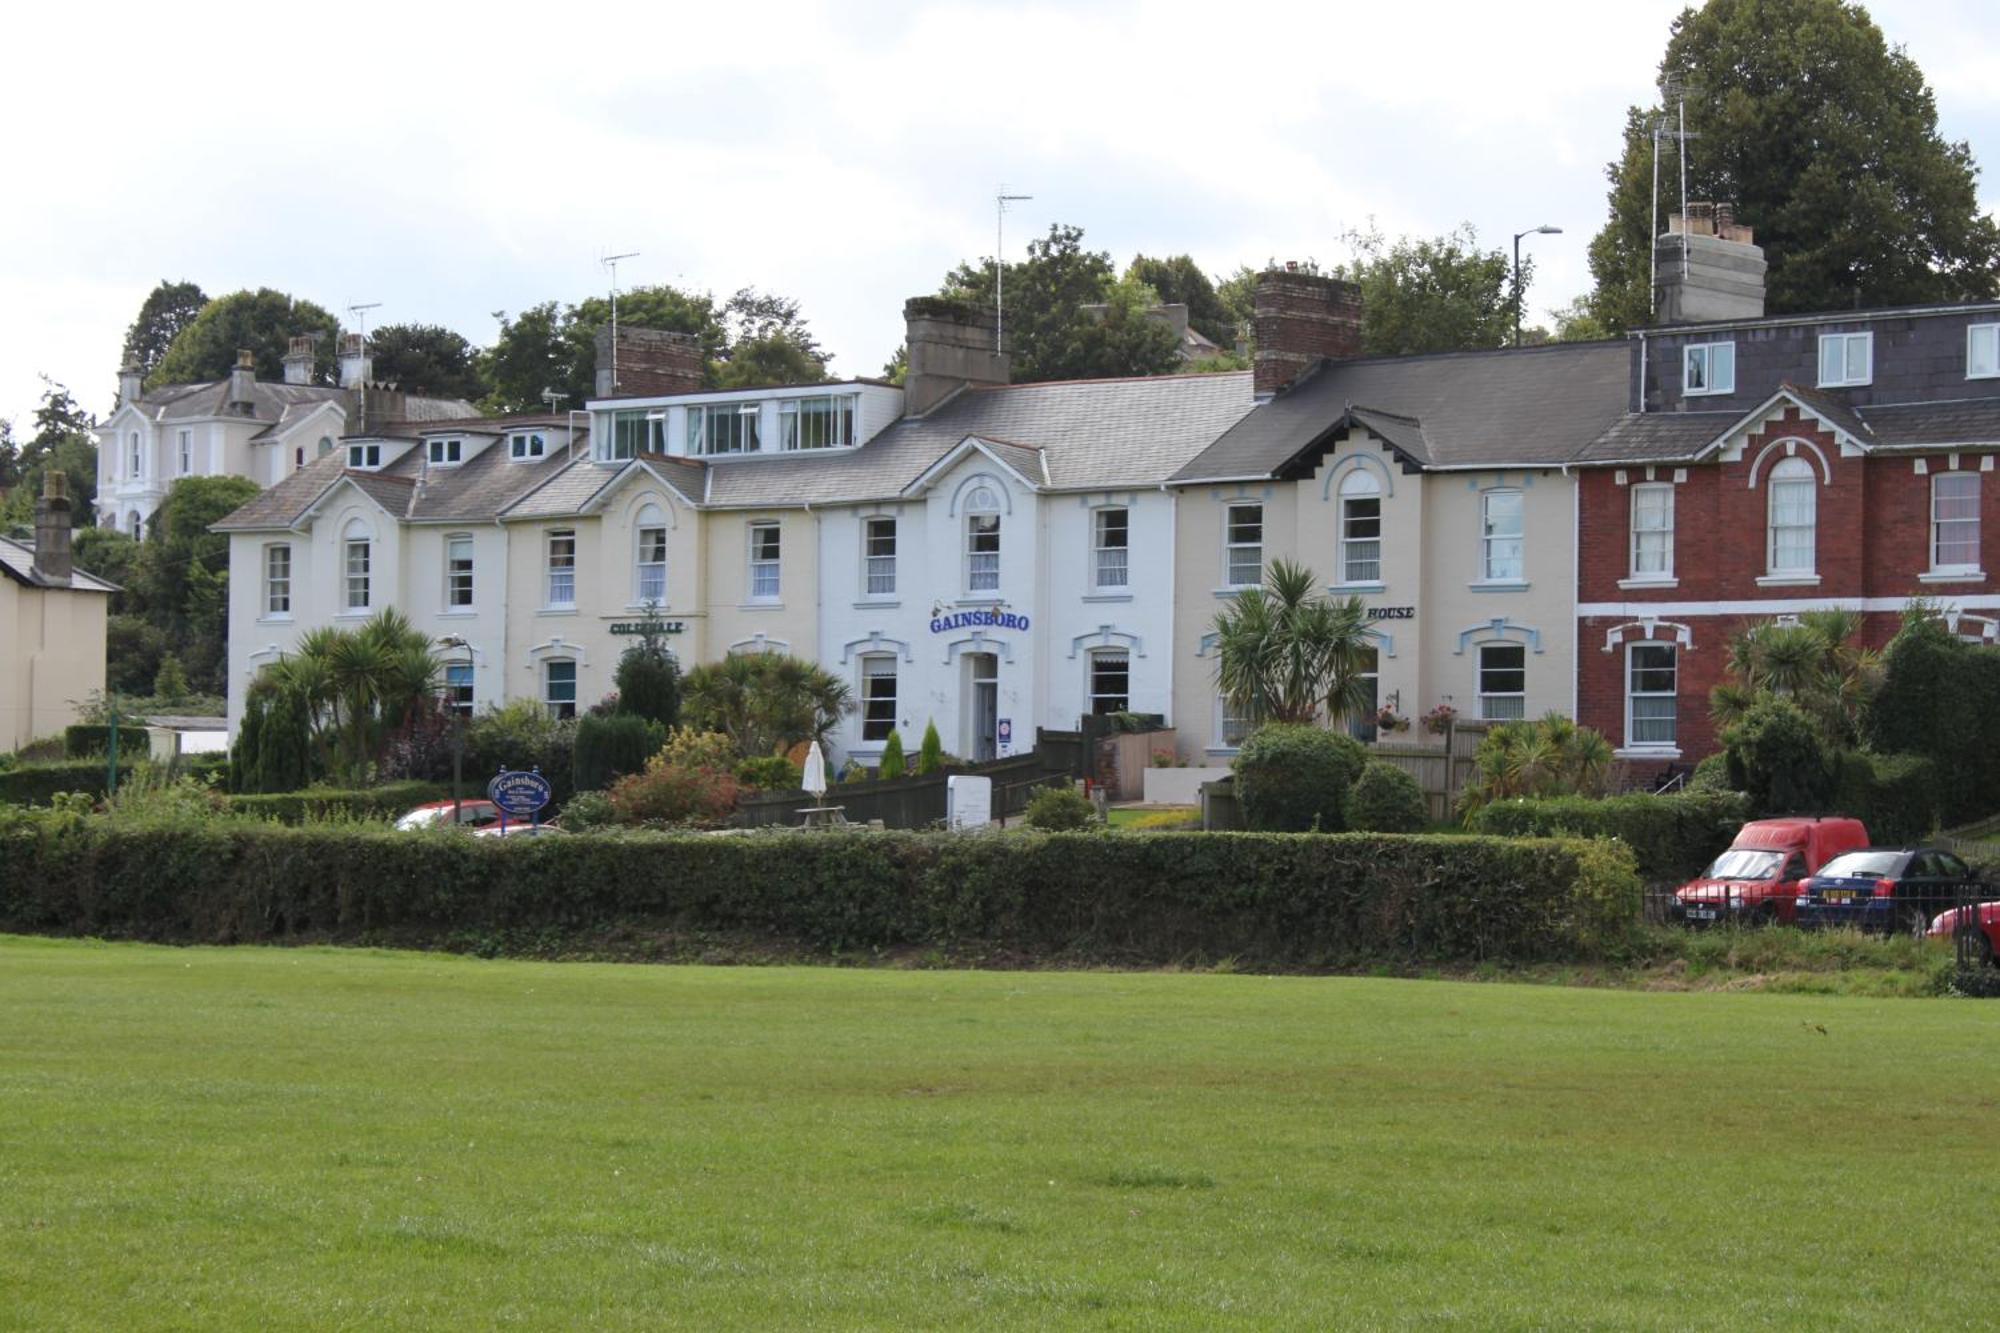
point(1941, 697)
point(274, 749)
point(772, 772)
point(91, 740)
point(1895, 795)
point(1059, 810)
point(37, 784)
point(170, 682)
point(1550, 756)
point(1777, 757)
point(522, 735)
point(607, 748)
point(1266, 900)
point(891, 763)
point(688, 748)
point(1385, 799)
point(670, 793)
point(1671, 837)
point(1293, 778)
point(387, 800)
point(588, 810)
point(930, 755)
point(1711, 774)
point(648, 679)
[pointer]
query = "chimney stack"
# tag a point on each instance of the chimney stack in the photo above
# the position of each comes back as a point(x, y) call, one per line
point(131, 383)
point(355, 370)
point(1706, 267)
point(52, 529)
point(299, 360)
point(241, 378)
point(950, 345)
point(1299, 318)
point(651, 363)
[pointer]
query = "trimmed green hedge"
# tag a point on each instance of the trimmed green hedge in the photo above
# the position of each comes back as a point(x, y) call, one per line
point(35, 784)
point(1671, 837)
point(1895, 795)
point(1263, 899)
point(388, 801)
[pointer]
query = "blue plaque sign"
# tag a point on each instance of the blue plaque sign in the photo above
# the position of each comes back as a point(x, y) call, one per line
point(519, 794)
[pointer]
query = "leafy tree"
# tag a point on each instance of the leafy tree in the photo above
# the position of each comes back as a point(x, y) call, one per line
point(897, 368)
point(182, 572)
point(114, 557)
point(1179, 281)
point(273, 750)
point(930, 752)
point(765, 702)
point(1576, 322)
point(648, 678)
point(1433, 294)
point(607, 748)
point(1777, 755)
point(1237, 294)
point(170, 682)
point(1825, 139)
point(10, 458)
point(530, 355)
point(168, 308)
point(265, 321)
point(1549, 757)
point(358, 686)
point(65, 438)
point(1284, 653)
point(769, 343)
point(1051, 332)
point(1817, 663)
point(426, 359)
point(891, 764)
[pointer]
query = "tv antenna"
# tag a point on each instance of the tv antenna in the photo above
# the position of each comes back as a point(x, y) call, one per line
point(611, 262)
point(1000, 201)
point(359, 310)
point(1673, 92)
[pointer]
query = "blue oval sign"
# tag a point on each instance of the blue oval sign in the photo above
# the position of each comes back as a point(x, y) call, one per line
point(519, 794)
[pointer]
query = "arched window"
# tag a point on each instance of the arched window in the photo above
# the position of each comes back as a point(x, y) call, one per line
point(649, 561)
point(357, 546)
point(982, 540)
point(1792, 521)
point(325, 446)
point(1360, 527)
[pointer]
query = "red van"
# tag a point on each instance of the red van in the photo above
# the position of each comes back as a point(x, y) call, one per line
point(1758, 880)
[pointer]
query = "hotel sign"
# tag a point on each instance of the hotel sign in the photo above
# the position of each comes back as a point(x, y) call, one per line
point(978, 620)
point(639, 627)
point(1392, 613)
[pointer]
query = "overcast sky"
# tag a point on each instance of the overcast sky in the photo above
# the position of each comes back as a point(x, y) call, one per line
point(452, 164)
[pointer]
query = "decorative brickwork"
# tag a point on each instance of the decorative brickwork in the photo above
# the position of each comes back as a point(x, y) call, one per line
point(1301, 317)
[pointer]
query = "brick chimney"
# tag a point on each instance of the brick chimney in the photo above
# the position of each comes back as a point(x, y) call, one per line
point(52, 529)
point(242, 378)
point(131, 383)
point(1707, 268)
point(950, 344)
point(651, 363)
point(355, 370)
point(1299, 318)
point(299, 360)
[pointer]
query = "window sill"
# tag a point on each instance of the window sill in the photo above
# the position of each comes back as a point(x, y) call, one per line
point(1708, 393)
point(1640, 585)
point(458, 613)
point(275, 620)
point(556, 611)
point(980, 599)
point(1107, 597)
point(1952, 576)
point(1219, 751)
point(1499, 585)
point(1375, 586)
point(1647, 752)
point(640, 608)
point(1845, 384)
point(1788, 580)
point(1231, 589)
point(360, 614)
point(761, 604)
point(877, 603)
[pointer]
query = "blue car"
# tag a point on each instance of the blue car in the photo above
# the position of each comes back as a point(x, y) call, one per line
point(1887, 889)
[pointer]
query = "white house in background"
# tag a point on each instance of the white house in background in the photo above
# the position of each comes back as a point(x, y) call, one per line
point(991, 558)
point(240, 426)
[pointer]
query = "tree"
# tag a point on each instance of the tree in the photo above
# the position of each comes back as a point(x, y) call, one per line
point(1284, 653)
point(1576, 323)
point(1825, 139)
point(1294, 777)
point(1051, 332)
point(891, 764)
point(1550, 757)
point(426, 359)
point(168, 308)
point(1180, 281)
point(1818, 664)
point(357, 687)
point(528, 357)
point(264, 321)
point(1385, 799)
point(930, 751)
point(769, 343)
point(765, 702)
point(182, 573)
point(1777, 755)
point(10, 458)
point(1433, 294)
point(658, 307)
point(648, 678)
point(1238, 295)
point(65, 438)
point(897, 368)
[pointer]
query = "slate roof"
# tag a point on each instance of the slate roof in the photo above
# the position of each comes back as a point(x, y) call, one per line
point(1645, 437)
point(1671, 436)
point(17, 562)
point(1514, 407)
point(279, 404)
point(1913, 425)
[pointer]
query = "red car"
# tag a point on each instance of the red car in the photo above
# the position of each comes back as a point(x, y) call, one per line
point(1986, 929)
point(1759, 879)
point(471, 814)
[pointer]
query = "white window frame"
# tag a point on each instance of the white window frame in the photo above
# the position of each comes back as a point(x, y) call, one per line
point(876, 667)
point(1663, 528)
point(460, 694)
point(1494, 705)
point(184, 440)
point(527, 446)
point(1717, 362)
point(840, 409)
point(278, 581)
point(1226, 723)
point(364, 457)
point(358, 573)
point(549, 700)
point(1240, 557)
point(984, 525)
point(767, 564)
point(749, 438)
point(1090, 690)
point(649, 559)
point(1491, 566)
point(1938, 524)
point(1982, 351)
point(559, 562)
point(1793, 475)
point(619, 444)
point(1111, 560)
point(1848, 342)
point(446, 452)
point(878, 567)
point(1665, 747)
point(1359, 558)
point(456, 579)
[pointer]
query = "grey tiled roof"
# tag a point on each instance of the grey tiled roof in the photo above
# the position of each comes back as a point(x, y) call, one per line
point(472, 491)
point(1831, 409)
point(1653, 436)
point(1531, 405)
point(1662, 436)
point(1912, 425)
point(17, 562)
point(279, 404)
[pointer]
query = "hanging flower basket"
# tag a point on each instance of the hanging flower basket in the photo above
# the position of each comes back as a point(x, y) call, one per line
point(1438, 721)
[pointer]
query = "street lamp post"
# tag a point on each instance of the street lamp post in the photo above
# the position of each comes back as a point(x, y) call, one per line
point(1544, 230)
point(457, 734)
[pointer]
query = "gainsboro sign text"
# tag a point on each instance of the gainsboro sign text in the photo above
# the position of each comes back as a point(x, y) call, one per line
point(978, 620)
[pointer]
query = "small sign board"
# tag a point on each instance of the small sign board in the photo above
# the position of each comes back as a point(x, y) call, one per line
point(1004, 731)
point(639, 627)
point(968, 801)
point(521, 795)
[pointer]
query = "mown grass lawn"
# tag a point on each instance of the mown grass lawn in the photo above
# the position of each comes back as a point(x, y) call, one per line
point(291, 1137)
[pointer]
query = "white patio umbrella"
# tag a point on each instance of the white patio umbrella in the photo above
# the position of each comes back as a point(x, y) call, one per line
point(815, 775)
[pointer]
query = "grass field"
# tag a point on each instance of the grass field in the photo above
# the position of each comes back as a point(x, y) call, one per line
point(268, 1137)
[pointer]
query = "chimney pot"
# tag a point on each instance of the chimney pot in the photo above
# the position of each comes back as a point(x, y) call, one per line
point(241, 380)
point(52, 529)
point(354, 367)
point(131, 383)
point(1707, 268)
point(299, 358)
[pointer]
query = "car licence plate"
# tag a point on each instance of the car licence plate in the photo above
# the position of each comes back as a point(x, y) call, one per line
point(1840, 895)
point(1702, 914)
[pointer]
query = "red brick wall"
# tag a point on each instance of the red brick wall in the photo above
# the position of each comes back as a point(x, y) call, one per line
point(1299, 318)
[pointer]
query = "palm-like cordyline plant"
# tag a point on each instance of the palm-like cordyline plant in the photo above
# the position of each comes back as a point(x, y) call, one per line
point(1816, 662)
point(1549, 757)
point(1284, 653)
point(356, 686)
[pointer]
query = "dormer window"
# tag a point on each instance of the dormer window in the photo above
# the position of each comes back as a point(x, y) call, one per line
point(1982, 351)
point(634, 432)
point(1708, 368)
point(447, 453)
point(525, 446)
point(722, 428)
point(364, 457)
point(1846, 359)
point(816, 423)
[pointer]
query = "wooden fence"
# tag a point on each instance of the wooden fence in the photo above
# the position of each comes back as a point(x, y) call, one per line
point(1441, 764)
